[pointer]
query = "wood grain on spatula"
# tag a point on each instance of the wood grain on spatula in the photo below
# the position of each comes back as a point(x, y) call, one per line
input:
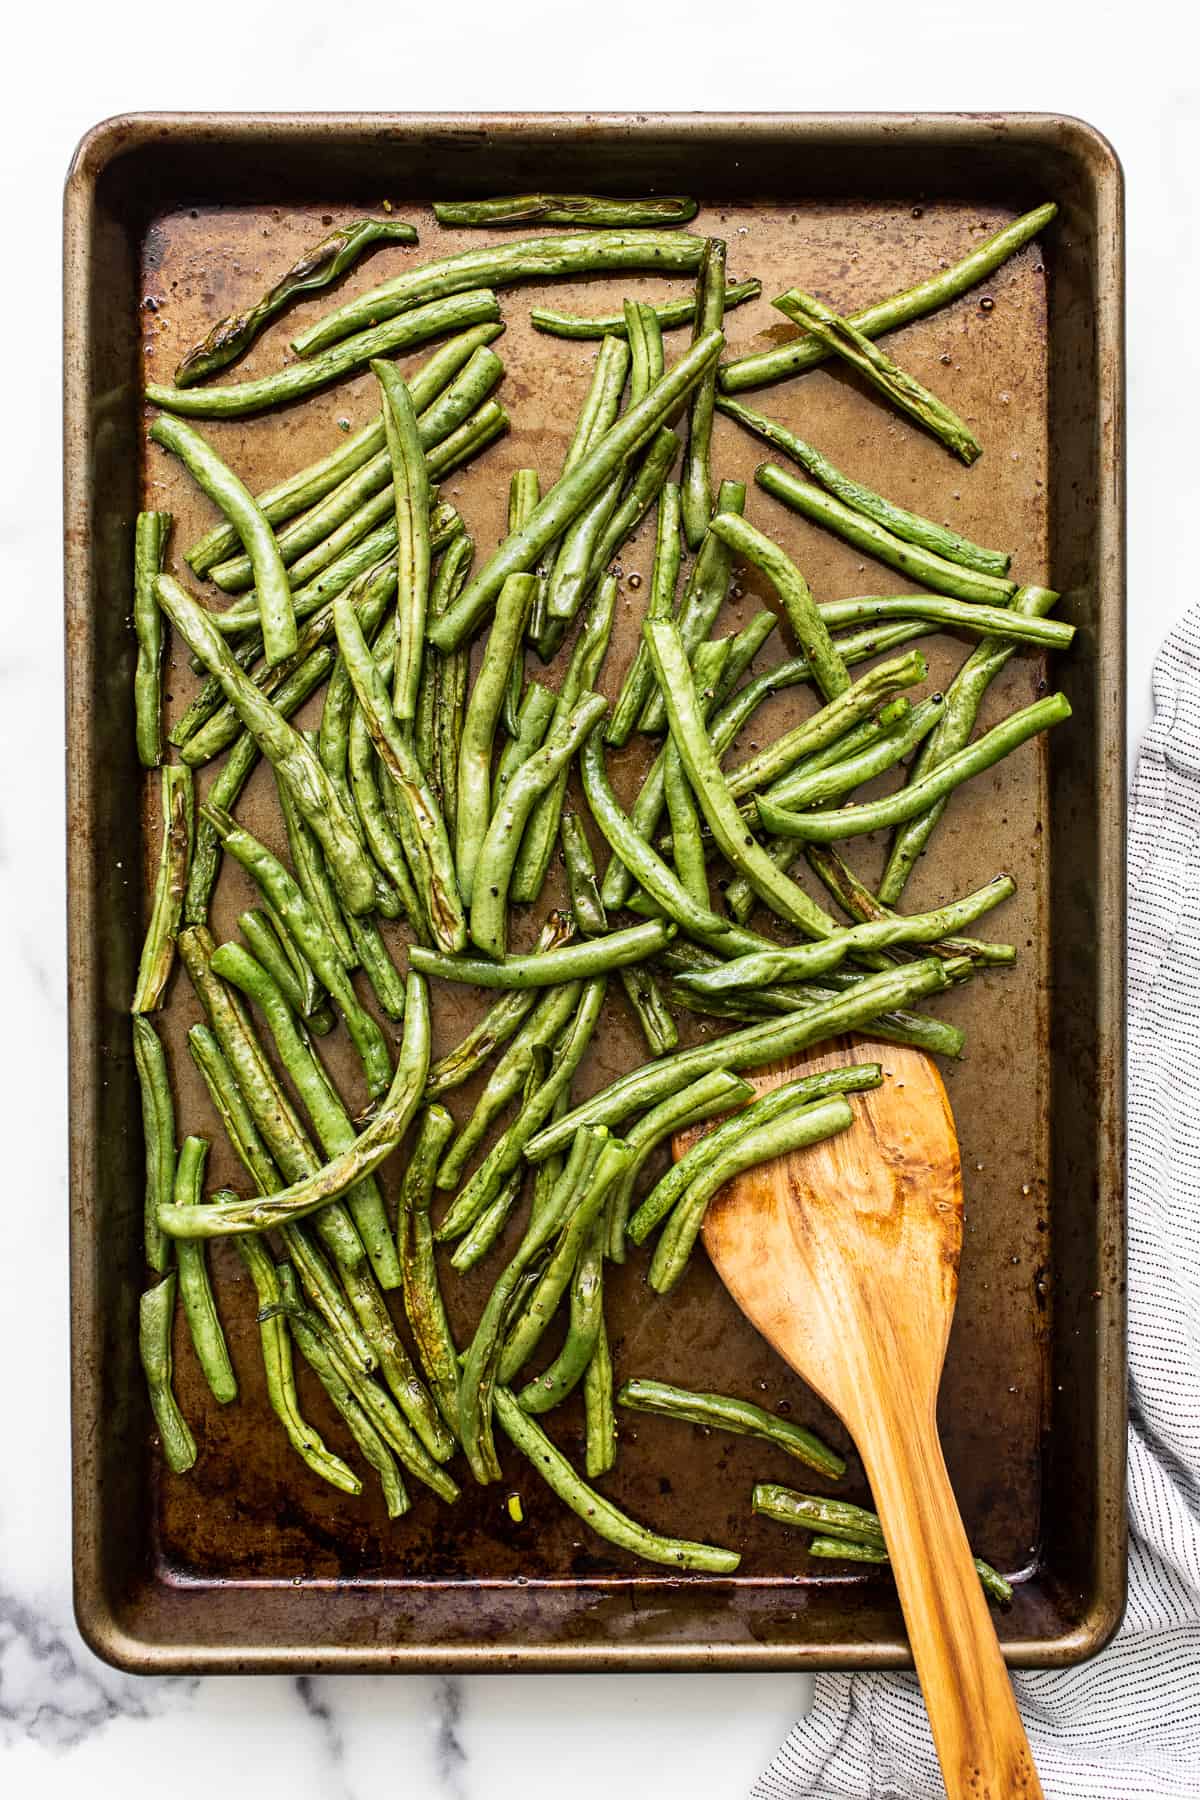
point(845, 1257)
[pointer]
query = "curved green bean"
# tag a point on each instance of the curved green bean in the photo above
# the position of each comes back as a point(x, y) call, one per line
point(525, 259)
point(638, 685)
point(808, 624)
point(281, 1380)
point(899, 309)
point(155, 1313)
point(861, 905)
point(919, 565)
point(300, 378)
point(495, 867)
point(669, 313)
point(952, 732)
point(474, 1245)
point(498, 1023)
point(158, 1131)
point(484, 707)
point(836, 778)
point(272, 588)
point(763, 1110)
point(572, 492)
point(696, 482)
point(749, 1048)
point(573, 962)
point(587, 908)
point(795, 1130)
point(938, 539)
point(233, 335)
point(903, 390)
point(715, 1092)
point(533, 722)
point(149, 549)
point(421, 826)
point(175, 855)
point(724, 1413)
point(746, 856)
point(302, 994)
point(195, 1289)
point(973, 759)
point(586, 1321)
point(604, 1518)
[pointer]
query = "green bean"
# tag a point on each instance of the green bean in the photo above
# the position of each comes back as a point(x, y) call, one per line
point(599, 1417)
point(312, 878)
point(477, 1378)
point(573, 962)
point(479, 726)
point(953, 732)
point(722, 1412)
point(669, 313)
point(273, 590)
point(687, 847)
point(644, 335)
point(158, 1130)
point(806, 960)
point(918, 564)
point(195, 1289)
point(549, 1017)
point(574, 556)
point(522, 259)
point(808, 625)
point(383, 977)
point(336, 1379)
point(293, 382)
point(149, 549)
point(648, 868)
point(524, 492)
point(644, 489)
point(703, 597)
point(494, 870)
point(175, 855)
point(567, 498)
point(896, 384)
point(938, 539)
point(331, 1121)
point(818, 789)
point(422, 828)
point(794, 1130)
point(646, 1003)
point(638, 685)
point(453, 676)
point(762, 1110)
point(586, 904)
point(577, 1228)
point(848, 1531)
point(992, 621)
point(233, 335)
point(155, 1313)
point(566, 209)
point(281, 1381)
point(498, 1023)
point(283, 893)
point(423, 1304)
point(370, 1148)
point(696, 484)
point(410, 484)
point(303, 994)
point(564, 1374)
point(711, 1093)
point(474, 1245)
point(771, 1041)
point(315, 796)
point(533, 722)
point(900, 309)
point(711, 790)
point(857, 900)
point(604, 1518)
point(535, 1114)
point(239, 1121)
point(382, 841)
point(894, 809)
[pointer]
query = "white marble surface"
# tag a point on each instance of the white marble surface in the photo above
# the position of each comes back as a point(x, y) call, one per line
point(67, 1724)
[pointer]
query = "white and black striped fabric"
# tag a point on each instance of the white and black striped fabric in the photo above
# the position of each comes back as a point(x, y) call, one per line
point(1127, 1724)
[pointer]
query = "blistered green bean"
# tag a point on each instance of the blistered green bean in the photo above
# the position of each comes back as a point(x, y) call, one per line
point(149, 549)
point(155, 1313)
point(195, 1289)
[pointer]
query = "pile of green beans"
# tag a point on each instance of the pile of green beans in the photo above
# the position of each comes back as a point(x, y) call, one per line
point(421, 817)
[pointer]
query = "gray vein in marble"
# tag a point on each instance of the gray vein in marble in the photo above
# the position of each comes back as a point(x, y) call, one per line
point(321, 1713)
point(53, 1691)
point(448, 1747)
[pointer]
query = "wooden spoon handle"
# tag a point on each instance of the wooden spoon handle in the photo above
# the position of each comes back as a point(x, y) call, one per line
point(977, 1730)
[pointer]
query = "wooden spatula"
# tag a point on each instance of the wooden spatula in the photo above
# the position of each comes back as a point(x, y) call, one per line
point(845, 1257)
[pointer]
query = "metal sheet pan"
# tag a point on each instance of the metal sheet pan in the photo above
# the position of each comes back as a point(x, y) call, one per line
point(249, 1563)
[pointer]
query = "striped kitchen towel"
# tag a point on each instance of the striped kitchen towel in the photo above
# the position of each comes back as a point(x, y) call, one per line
point(1126, 1724)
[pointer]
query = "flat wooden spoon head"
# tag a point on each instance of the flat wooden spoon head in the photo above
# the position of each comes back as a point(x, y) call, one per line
point(845, 1257)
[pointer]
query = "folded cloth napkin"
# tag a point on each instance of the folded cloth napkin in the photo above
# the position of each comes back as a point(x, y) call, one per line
point(1126, 1724)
